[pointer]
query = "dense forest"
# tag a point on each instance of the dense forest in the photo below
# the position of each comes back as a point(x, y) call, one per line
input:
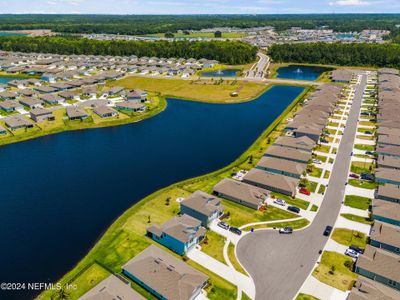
point(139, 24)
point(379, 55)
point(228, 52)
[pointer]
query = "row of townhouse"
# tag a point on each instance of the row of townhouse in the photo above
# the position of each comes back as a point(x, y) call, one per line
point(379, 266)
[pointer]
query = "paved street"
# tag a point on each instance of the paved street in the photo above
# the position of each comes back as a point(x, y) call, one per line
point(279, 264)
point(258, 70)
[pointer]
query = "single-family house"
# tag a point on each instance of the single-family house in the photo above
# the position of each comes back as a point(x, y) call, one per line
point(388, 192)
point(179, 234)
point(282, 166)
point(31, 102)
point(17, 121)
point(389, 162)
point(380, 265)
point(241, 193)
point(51, 99)
point(272, 182)
point(76, 113)
point(367, 289)
point(10, 105)
point(203, 207)
point(2, 130)
point(104, 111)
point(386, 211)
point(384, 175)
point(164, 276)
point(130, 106)
point(300, 143)
point(290, 154)
point(41, 114)
point(45, 89)
point(8, 95)
point(385, 236)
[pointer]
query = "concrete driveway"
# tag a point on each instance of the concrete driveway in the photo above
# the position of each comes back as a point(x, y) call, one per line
point(279, 264)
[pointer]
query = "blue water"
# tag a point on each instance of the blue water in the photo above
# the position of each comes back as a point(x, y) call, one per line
point(60, 192)
point(221, 73)
point(345, 36)
point(300, 72)
point(2, 33)
point(5, 79)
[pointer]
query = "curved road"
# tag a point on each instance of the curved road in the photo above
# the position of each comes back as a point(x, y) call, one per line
point(279, 264)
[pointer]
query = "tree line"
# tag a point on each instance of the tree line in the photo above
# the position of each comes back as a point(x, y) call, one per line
point(228, 52)
point(139, 24)
point(353, 54)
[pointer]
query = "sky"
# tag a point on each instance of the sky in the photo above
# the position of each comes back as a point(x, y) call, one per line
point(198, 7)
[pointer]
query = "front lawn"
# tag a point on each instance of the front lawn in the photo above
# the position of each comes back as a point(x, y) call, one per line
point(213, 245)
point(321, 189)
point(364, 184)
point(327, 174)
point(335, 270)
point(314, 207)
point(364, 147)
point(361, 167)
point(240, 215)
point(314, 171)
point(349, 237)
point(302, 296)
point(356, 218)
point(357, 201)
point(297, 224)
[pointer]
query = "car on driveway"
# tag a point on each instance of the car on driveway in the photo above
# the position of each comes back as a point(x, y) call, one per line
point(316, 161)
point(367, 176)
point(293, 209)
point(304, 191)
point(280, 202)
point(223, 225)
point(286, 230)
point(351, 253)
point(357, 249)
point(328, 230)
point(352, 175)
point(235, 230)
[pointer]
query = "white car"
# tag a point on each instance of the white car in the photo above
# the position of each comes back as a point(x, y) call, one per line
point(351, 253)
point(280, 202)
point(316, 161)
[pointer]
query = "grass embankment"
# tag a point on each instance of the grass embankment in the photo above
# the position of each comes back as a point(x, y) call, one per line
point(335, 270)
point(297, 224)
point(125, 238)
point(349, 237)
point(233, 259)
point(18, 75)
point(197, 90)
point(357, 201)
point(61, 122)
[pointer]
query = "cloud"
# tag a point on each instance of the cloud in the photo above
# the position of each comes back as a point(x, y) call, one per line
point(350, 3)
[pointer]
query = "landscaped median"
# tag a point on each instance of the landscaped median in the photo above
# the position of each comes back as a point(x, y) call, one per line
point(125, 238)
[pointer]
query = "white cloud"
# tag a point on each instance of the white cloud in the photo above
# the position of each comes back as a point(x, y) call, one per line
point(350, 3)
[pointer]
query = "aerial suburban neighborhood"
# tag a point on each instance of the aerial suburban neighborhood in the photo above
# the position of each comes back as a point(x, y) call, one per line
point(202, 150)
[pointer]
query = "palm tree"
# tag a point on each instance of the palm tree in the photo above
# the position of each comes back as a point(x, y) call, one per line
point(61, 294)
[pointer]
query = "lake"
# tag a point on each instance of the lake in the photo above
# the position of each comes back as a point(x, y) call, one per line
point(2, 33)
point(6, 79)
point(59, 193)
point(221, 73)
point(299, 72)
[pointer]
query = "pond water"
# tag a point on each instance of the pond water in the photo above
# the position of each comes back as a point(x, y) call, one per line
point(2, 33)
point(300, 72)
point(5, 79)
point(221, 73)
point(59, 193)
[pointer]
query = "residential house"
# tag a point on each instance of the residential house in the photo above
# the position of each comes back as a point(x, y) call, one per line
point(3, 130)
point(282, 166)
point(179, 234)
point(288, 154)
point(389, 162)
point(386, 211)
point(10, 105)
point(17, 121)
point(300, 143)
point(387, 150)
point(385, 236)
point(76, 113)
point(41, 114)
point(45, 89)
point(104, 111)
point(203, 207)
point(164, 276)
point(113, 287)
point(384, 175)
point(51, 99)
point(8, 95)
point(130, 106)
point(272, 182)
point(380, 265)
point(341, 75)
point(388, 192)
point(241, 193)
point(367, 289)
point(31, 102)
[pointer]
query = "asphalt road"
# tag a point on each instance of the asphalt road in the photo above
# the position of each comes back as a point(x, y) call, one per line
point(258, 70)
point(279, 264)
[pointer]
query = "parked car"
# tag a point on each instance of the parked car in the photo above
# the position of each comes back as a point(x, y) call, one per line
point(304, 191)
point(280, 202)
point(368, 132)
point(316, 161)
point(235, 230)
point(328, 230)
point(324, 141)
point(352, 175)
point(367, 176)
point(351, 253)
point(357, 249)
point(293, 209)
point(286, 230)
point(223, 225)
point(370, 152)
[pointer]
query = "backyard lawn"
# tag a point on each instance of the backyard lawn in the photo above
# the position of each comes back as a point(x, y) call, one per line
point(349, 237)
point(335, 270)
point(357, 201)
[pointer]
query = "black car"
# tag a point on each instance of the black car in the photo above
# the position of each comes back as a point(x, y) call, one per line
point(235, 230)
point(293, 209)
point(357, 249)
point(328, 230)
point(367, 176)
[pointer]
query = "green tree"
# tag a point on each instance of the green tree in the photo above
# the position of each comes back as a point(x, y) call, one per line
point(218, 34)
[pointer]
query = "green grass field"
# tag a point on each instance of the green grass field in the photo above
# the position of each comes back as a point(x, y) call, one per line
point(296, 224)
point(302, 296)
point(213, 245)
point(363, 184)
point(198, 90)
point(356, 218)
point(349, 237)
point(357, 201)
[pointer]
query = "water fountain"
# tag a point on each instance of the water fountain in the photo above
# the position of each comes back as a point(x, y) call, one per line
point(298, 71)
point(219, 72)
